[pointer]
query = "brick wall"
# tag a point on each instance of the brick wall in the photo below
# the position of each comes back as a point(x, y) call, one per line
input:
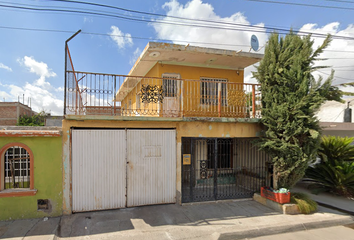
point(8, 112)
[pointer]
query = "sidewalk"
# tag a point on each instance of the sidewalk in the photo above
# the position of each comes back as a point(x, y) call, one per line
point(220, 220)
point(329, 200)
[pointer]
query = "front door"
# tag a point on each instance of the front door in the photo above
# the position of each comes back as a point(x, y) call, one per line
point(171, 101)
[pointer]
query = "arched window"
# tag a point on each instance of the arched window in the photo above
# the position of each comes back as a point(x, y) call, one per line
point(16, 167)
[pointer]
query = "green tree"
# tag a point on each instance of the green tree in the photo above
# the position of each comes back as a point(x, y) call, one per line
point(290, 98)
point(35, 120)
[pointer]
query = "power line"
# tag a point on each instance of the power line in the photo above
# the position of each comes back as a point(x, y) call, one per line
point(341, 1)
point(116, 35)
point(248, 27)
point(152, 39)
point(335, 76)
point(303, 4)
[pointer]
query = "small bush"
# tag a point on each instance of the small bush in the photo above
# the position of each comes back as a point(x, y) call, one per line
point(305, 204)
point(337, 178)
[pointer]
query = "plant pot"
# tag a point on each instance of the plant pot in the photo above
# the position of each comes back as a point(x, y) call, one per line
point(276, 197)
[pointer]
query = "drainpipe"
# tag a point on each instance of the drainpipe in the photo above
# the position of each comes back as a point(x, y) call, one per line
point(348, 113)
point(66, 56)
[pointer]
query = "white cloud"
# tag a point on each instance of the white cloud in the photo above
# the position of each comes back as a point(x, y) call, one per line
point(120, 38)
point(340, 53)
point(41, 99)
point(39, 68)
point(196, 9)
point(135, 56)
point(88, 19)
point(42, 94)
point(3, 66)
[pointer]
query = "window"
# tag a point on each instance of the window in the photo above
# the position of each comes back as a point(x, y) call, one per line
point(169, 85)
point(16, 170)
point(209, 88)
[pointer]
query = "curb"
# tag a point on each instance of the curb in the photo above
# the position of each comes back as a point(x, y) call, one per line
point(266, 231)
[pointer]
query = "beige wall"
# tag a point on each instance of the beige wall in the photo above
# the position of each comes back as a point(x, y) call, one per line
point(183, 128)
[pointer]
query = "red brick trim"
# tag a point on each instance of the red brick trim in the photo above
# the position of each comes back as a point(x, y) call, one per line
point(19, 193)
point(29, 133)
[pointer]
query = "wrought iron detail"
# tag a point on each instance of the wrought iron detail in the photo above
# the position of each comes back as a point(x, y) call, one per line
point(236, 98)
point(223, 168)
point(203, 169)
point(150, 94)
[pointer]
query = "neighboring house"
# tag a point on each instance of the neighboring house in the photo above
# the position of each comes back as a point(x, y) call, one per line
point(10, 113)
point(331, 116)
point(178, 128)
point(30, 172)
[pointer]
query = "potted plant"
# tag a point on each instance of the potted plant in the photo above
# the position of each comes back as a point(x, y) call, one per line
point(280, 196)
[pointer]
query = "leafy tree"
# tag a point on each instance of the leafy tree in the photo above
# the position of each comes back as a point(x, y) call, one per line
point(290, 98)
point(35, 120)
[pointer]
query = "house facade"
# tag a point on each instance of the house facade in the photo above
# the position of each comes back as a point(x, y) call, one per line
point(178, 128)
point(30, 172)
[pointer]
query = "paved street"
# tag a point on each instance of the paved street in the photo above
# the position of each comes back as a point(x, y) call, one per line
point(208, 221)
point(330, 233)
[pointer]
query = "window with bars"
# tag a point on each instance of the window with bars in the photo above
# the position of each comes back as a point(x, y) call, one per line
point(209, 88)
point(169, 85)
point(16, 168)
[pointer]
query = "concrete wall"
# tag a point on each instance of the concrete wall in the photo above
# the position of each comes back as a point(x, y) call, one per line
point(184, 128)
point(47, 153)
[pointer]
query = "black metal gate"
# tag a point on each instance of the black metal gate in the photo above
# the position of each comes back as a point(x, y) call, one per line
point(221, 168)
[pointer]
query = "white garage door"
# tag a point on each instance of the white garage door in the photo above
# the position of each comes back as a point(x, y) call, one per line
point(98, 169)
point(112, 170)
point(151, 167)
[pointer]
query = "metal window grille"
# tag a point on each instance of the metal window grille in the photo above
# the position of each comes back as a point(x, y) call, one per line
point(17, 168)
point(209, 88)
point(169, 85)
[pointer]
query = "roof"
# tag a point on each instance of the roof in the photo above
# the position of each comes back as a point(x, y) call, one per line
point(337, 126)
point(185, 55)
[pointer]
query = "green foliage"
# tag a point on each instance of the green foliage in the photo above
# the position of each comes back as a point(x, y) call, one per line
point(336, 149)
point(305, 204)
point(290, 98)
point(336, 177)
point(35, 120)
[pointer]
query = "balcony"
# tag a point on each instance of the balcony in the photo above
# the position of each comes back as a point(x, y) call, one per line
point(120, 95)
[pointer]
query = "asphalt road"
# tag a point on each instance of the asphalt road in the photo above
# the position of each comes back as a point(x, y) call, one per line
point(329, 233)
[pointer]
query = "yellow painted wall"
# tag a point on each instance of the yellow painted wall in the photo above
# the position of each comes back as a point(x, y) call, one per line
point(183, 128)
point(191, 90)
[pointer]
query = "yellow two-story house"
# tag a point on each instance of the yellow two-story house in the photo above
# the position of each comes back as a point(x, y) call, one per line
point(178, 128)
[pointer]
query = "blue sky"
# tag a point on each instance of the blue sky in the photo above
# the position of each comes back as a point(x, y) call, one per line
point(32, 62)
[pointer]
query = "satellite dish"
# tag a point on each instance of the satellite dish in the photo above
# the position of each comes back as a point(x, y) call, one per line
point(254, 43)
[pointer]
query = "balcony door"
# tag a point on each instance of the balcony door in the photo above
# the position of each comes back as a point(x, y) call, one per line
point(171, 88)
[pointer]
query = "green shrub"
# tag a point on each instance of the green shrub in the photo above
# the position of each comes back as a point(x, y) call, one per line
point(336, 149)
point(305, 204)
point(35, 120)
point(336, 177)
